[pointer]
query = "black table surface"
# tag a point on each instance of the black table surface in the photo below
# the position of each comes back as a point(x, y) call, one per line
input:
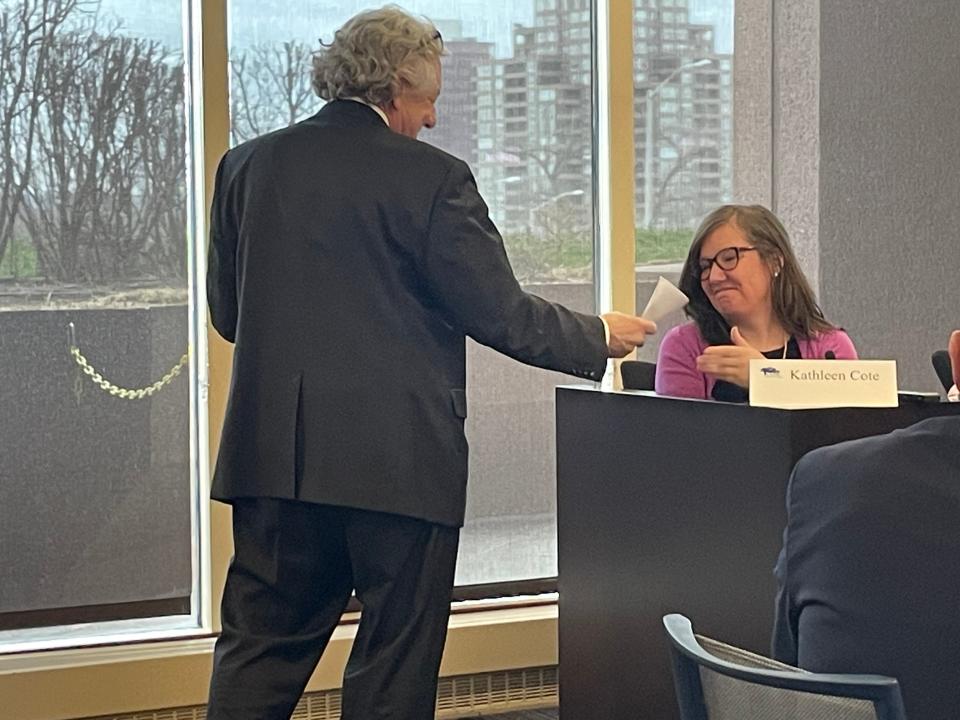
point(671, 505)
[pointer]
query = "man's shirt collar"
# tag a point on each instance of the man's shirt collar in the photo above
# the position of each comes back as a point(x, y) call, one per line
point(376, 109)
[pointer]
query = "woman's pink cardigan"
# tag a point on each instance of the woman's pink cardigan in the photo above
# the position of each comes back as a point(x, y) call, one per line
point(677, 373)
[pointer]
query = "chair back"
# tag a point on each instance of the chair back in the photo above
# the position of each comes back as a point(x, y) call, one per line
point(638, 374)
point(941, 365)
point(715, 681)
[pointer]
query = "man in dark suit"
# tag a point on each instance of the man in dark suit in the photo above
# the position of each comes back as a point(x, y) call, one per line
point(348, 262)
point(869, 573)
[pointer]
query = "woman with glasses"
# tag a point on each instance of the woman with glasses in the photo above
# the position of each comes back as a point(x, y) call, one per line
point(748, 299)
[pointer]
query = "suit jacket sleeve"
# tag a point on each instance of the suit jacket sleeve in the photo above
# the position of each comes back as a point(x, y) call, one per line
point(222, 262)
point(470, 277)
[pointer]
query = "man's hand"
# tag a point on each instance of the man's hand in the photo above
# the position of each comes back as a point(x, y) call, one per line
point(729, 362)
point(626, 332)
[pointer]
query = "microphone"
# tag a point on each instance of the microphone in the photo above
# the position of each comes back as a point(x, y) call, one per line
point(830, 355)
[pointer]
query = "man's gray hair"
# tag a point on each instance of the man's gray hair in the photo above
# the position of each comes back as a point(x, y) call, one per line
point(375, 54)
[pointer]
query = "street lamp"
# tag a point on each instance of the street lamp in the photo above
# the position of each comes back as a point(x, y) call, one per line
point(532, 217)
point(648, 138)
point(568, 193)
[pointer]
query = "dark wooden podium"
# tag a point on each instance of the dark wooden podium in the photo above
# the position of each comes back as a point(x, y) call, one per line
point(669, 505)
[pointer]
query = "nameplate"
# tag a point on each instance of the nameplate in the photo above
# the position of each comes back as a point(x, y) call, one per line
point(799, 384)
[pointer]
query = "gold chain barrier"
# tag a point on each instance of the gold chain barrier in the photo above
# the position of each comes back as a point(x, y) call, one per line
point(116, 390)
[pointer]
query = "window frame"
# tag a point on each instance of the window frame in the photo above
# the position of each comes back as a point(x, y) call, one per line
point(205, 27)
point(152, 619)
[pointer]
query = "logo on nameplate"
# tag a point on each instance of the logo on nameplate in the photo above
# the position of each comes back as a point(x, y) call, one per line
point(797, 384)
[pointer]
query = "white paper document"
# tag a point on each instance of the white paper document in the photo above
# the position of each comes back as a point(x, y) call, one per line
point(666, 299)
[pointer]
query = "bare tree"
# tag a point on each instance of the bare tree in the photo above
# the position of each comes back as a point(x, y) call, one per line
point(558, 163)
point(556, 244)
point(109, 187)
point(27, 32)
point(270, 88)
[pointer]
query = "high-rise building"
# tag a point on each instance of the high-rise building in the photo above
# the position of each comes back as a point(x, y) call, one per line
point(683, 101)
point(456, 130)
point(534, 125)
point(534, 112)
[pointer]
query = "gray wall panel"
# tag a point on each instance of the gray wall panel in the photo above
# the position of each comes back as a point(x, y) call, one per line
point(889, 177)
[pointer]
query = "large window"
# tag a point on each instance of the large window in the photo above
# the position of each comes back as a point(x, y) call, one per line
point(98, 491)
point(534, 165)
point(99, 499)
point(516, 105)
point(683, 109)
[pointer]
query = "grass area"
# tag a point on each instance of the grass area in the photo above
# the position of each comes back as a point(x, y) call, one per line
point(19, 260)
point(565, 255)
point(656, 246)
point(569, 255)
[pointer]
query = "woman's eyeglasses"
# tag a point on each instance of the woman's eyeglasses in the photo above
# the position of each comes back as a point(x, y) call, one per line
point(726, 259)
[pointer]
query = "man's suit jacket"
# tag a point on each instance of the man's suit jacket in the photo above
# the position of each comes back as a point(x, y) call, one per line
point(348, 263)
point(870, 569)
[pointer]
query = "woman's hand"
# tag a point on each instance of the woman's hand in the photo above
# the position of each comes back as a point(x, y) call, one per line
point(729, 362)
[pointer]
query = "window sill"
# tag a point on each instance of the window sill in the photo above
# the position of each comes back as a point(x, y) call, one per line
point(173, 642)
point(484, 636)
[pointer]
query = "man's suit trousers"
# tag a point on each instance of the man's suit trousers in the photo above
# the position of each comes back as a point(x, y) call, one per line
point(294, 567)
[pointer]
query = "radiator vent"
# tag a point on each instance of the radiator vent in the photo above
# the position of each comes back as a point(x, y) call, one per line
point(458, 696)
point(464, 695)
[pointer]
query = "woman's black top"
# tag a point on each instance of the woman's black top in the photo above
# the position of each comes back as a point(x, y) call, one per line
point(729, 392)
